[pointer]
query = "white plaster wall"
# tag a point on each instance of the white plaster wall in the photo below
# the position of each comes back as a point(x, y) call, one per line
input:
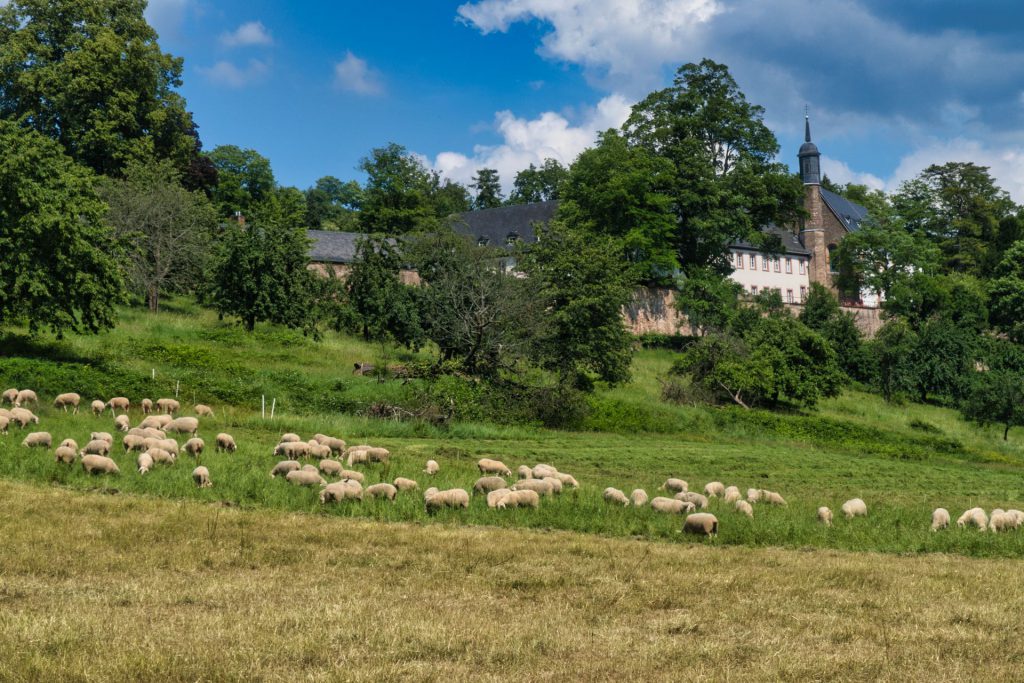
point(769, 279)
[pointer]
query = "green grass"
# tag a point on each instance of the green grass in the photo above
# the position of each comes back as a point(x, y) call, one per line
point(904, 461)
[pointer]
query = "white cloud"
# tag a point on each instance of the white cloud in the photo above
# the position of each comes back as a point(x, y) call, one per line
point(249, 33)
point(1006, 164)
point(526, 141)
point(232, 76)
point(167, 16)
point(839, 172)
point(355, 75)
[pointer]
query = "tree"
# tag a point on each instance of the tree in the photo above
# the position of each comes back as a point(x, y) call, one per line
point(384, 307)
point(709, 300)
point(1006, 293)
point(538, 184)
point(59, 267)
point(725, 185)
point(90, 75)
point(244, 179)
point(822, 314)
point(996, 394)
point(333, 205)
point(581, 287)
point(166, 227)
point(892, 351)
point(488, 189)
point(944, 359)
point(262, 273)
point(399, 195)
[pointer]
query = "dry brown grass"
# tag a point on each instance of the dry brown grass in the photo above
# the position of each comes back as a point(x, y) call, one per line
point(96, 588)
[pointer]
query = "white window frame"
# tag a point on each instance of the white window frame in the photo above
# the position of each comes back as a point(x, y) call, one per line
point(803, 267)
point(789, 266)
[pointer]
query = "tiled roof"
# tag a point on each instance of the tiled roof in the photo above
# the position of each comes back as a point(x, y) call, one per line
point(494, 227)
point(790, 242)
point(849, 214)
point(330, 246)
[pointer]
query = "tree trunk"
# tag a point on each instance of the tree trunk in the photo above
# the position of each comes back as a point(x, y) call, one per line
point(153, 298)
point(1006, 432)
point(250, 323)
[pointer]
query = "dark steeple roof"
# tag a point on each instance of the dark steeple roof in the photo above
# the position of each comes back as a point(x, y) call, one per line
point(810, 158)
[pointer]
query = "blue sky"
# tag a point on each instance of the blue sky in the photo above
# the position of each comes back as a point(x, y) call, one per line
point(891, 86)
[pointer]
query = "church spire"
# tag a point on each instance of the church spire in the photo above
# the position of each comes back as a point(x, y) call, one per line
point(807, 126)
point(810, 158)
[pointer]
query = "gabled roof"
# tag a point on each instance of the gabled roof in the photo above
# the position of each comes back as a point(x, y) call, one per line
point(790, 242)
point(494, 226)
point(330, 246)
point(849, 213)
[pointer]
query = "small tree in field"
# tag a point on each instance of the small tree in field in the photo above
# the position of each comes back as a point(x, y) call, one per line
point(384, 307)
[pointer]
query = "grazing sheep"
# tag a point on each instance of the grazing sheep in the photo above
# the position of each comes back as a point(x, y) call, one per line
point(403, 484)
point(23, 417)
point(168, 405)
point(99, 464)
point(64, 400)
point(38, 439)
point(122, 423)
point(195, 446)
point(732, 494)
point(202, 411)
point(432, 467)
point(133, 442)
point(541, 486)
point(310, 468)
point(638, 497)
point(331, 468)
point(567, 480)
point(772, 498)
point(10, 396)
point(119, 403)
point(488, 466)
point(382, 491)
point(854, 507)
point(305, 478)
point(940, 519)
point(541, 471)
point(1017, 516)
point(183, 425)
point(284, 467)
point(96, 447)
point(289, 438)
point(495, 496)
point(825, 515)
point(556, 484)
point(745, 508)
point(693, 497)
point(226, 442)
point(714, 489)
point(341, 490)
point(488, 484)
point(201, 476)
point(102, 436)
point(144, 462)
point(65, 454)
point(337, 446)
point(452, 498)
point(753, 495)
point(318, 450)
point(975, 517)
point(674, 485)
point(4, 422)
point(702, 524)
point(169, 445)
point(147, 406)
point(1000, 521)
point(5, 413)
point(524, 472)
point(154, 422)
point(292, 449)
point(69, 443)
point(518, 499)
point(25, 396)
point(352, 474)
point(613, 495)
point(671, 505)
point(152, 433)
point(161, 456)
point(378, 454)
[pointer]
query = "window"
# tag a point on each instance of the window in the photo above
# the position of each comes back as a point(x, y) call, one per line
point(753, 262)
point(753, 289)
point(764, 263)
point(789, 266)
point(803, 267)
point(789, 296)
point(831, 263)
point(482, 242)
point(511, 239)
point(739, 261)
point(803, 294)
point(778, 265)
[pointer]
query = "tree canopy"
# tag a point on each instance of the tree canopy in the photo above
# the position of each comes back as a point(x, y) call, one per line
point(333, 205)
point(244, 179)
point(541, 184)
point(488, 189)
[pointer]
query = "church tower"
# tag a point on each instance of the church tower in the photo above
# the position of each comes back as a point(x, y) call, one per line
point(812, 233)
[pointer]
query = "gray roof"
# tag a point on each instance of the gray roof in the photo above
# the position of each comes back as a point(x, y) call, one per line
point(790, 242)
point(330, 246)
point(849, 214)
point(495, 226)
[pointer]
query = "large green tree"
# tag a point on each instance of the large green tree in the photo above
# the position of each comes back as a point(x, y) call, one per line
point(244, 179)
point(58, 259)
point(90, 75)
point(488, 189)
point(384, 307)
point(1006, 293)
point(822, 314)
point(541, 184)
point(333, 205)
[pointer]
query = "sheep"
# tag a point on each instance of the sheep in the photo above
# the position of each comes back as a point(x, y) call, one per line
point(488, 466)
point(674, 485)
point(495, 496)
point(753, 495)
point(452, 498)
point(202, 411)
point(305, 478)
point(119, 403)
point(714, 489)
point(201, 476)
point(556, 484)
point(331, 468)
point(541, 486)
point(567, 480)
point(65, 455)
point(25, 396)
point(154, 422)
point(148, 432)
point(382, 491)
point(1017, 516)
point(773, 498)
point(613, 495)
point(702, 524)
point(122, 423)
point(825, 515)
point(96, 447)
point(671, 505)
point(102, 436)
point(403, 484)
point(225, 442)
point(195, 446)
point(339, 491)
point(161, 456)
point(378, 454)
point(144, 462)
point(289, 438)
point(524, 472)
point(284, 467)
point(99, 464)
point(974, 516)
point(4, 422)
point(357, 457)
point(318, 450)
point(488, 484)
point(854, 507)
point(310, 468)
point(169, 445)
point(745, 508)
point(5, 413)
point(352, 474)
point(69, 443)
point(638, 497)
point(693, 497)
point(940, 519)
point(10, 396)
point(432, 467)
point(518, 499)
point(147, 406)
point(1000, 521)
point(183, 425)
point(168, 405)
point(133, 442)
point(541, 471)
point(23, 417)
point(732, 494)
point(37, 440)
point(337, 446)
point(292, 449)
point(70, 399)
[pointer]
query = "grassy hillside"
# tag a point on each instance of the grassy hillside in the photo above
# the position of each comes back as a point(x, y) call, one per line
point(903, 461)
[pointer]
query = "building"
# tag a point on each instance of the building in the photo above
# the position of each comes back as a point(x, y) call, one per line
point(334, 252)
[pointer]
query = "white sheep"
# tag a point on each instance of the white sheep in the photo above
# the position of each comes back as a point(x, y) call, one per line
point(543, 487)
point(614, 495)
point(293, 449)
point(702, 524)
point(753, 495)
point(432, 467)
point(854, 507)
point(289, 437)
point(38, 440)
point(732, 494)
point(376, 454)
point(202, 411)
point(147, 406)
point(540, 471)
point(169, 445)
point(693, 497)
point(331, 468)
point(382, 491)
point(772, 498)
point(337, 446)
point(318, 450)
point(305, 478)
point(744, 507)
point(714, 489)
point(102, 436)
point(161, 456)
point(65, 454)
point(671, 505)
point(674, 485)
point(144, 462)
point(494, 496)
point(284, 467)
point(195, 446)
point(226, 442)
point(825, 515)
point(23, 417)
point(119, 403)
point(488, 466)
point(488, 484)
point(122, 423)
point(133, 442)
point(154, 422)
point(10, 396)
point(4, 423)
point(452, 498)
point(183, 425)
point(1000, 521)
point(940, 519)
point(975, 517)
point(26, 396)
point(524, 472)
point(556, 484)
point(70, 399)
point(567, 480)
point(341, 490)
point(403, 484)
point(201, 476)
point(638, 497)
point(357, 456)
point(1017, 516)
point(96, 447)
point(99, 464)
point(168, 405)
point(352, 474)
point(518, 499)
point(69, 443)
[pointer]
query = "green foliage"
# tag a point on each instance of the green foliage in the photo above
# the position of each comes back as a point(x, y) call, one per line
point(244, 179)
point(385, 308)
point(538, 184)
point(892, 353)
point(333, 205)
point(944, 359)
point(822, 314)
point(90, 75)
point(488, 189)
point(922, 297)
point(59, 267)
point(996, 397)
point(709, 300)
point(1006, 292)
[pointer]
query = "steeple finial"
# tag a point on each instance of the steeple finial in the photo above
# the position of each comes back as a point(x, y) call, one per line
point(807, 124)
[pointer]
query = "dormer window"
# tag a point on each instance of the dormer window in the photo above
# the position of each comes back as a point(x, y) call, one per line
point(482, 242)
point(511, 239)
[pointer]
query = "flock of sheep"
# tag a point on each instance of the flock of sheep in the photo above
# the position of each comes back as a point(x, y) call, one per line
point(150, 440)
